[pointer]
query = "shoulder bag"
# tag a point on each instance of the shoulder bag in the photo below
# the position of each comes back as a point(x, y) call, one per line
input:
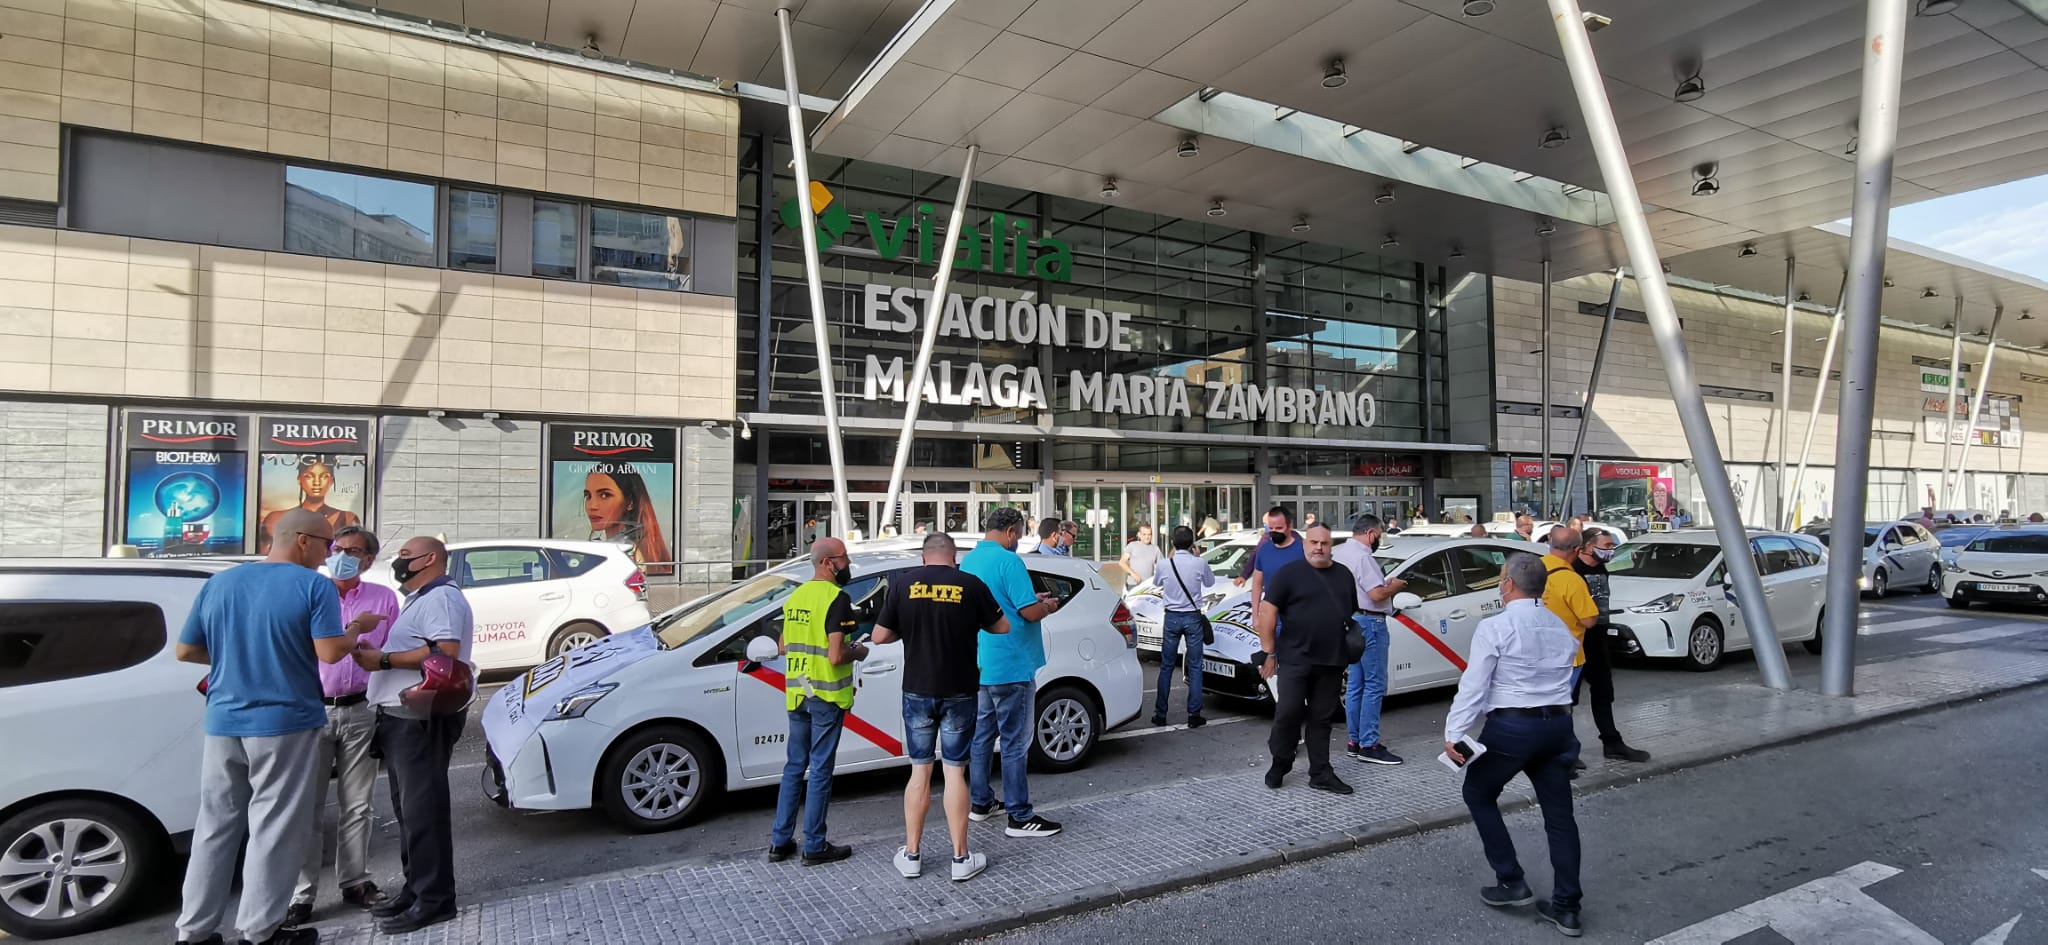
point(1208, 629)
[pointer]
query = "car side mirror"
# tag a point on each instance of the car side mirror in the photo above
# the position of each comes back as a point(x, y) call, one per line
point(762, 649)
point(1407, 601)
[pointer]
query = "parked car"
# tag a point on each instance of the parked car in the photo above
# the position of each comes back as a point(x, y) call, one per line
point(651, 725)
point(535, 599)
point(2000, 565)
point(101, 729)
point(1671, 596)
point(1952, 539)
point(1895, 554)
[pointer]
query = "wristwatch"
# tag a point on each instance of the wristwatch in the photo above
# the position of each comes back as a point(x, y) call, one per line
point(384, 661)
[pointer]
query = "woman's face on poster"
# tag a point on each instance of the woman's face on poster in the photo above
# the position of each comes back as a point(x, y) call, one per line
point(604, 503)
point(316, 481)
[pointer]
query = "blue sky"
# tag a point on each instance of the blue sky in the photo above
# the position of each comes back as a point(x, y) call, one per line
point(2004, 226)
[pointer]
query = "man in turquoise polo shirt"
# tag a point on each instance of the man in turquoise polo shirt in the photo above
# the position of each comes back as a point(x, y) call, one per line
point(1009, 672)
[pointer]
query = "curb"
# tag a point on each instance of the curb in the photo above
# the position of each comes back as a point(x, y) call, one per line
point(1246, 862)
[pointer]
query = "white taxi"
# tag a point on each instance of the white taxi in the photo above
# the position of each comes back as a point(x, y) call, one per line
point(2000, 565)
point(652, 724)
point(1452, 584)
point(537, 598)
point(1671, 597)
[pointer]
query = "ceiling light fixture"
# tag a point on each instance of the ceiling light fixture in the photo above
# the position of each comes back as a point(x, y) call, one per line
point(1595, 22)
point(1216, 208)
point(1554, 138)
point(1189, 147)
point(1544, 227)
point(1300, 225)
point(590, 50)
point(1390, 242)
point(1109, 190)
point(1935, 7)
point(1804, 297)
point(1385, 196)
point(1410, 147)
point(1478, 7)
point(1888, 283)
point(1690, 89)
point(1333, 74)
point(1748, 250)
point(1929, 293)
point(2026, 316)
point(1706, 183)
point(1457, 252)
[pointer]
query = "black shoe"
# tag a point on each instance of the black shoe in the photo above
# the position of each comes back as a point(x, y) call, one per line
point(414, 919)
point(1377, 754)
point(213, 939)
point(1035, 827)
point(286, 937)
point(1196, 721)
point(1566, 920)
point(981, 812)
point(1621, 752)
point(1503, 895)
point(363, 895)
point(297, 914)
point(393, 905)
point(783, 852)
point(833, 853)
point(1352, 751)
point(1331, 784)
point(1274, 774)
point(1159, 720)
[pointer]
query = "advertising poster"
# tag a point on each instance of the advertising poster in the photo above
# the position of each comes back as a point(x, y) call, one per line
point(320, 464)
point(615, 484)
point(187, 484)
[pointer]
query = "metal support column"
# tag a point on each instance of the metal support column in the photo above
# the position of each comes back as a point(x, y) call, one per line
point(934, 309)
point(1663, 317)
point(1543, 505)
point(1976, 410)
point(1820, 392)
point(1571, 470)
point(799, 147)
point(1884, 48)
point(1948, 419)
point(1785, 393)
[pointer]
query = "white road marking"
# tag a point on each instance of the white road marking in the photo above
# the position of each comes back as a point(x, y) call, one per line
point(1998, 935)
point(1979, 636)
point(1923, 623)
point(2041, 873)
point(1156, 729)
point(1830, 909)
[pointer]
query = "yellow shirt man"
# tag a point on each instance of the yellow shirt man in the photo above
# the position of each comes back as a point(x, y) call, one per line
point(1567, 596)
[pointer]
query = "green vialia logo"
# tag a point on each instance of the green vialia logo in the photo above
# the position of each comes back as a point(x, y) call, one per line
point(1004, 245)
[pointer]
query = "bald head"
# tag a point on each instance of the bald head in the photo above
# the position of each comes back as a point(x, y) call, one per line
point(421, 559)
point(940, 549)
point(301, 537)
point(1564, 541)
point(828, 555)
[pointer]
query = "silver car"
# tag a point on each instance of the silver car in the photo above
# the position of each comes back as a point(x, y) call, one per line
point(1897, 554)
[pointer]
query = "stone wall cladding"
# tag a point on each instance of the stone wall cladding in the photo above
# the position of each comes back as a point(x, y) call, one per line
point(53, 479)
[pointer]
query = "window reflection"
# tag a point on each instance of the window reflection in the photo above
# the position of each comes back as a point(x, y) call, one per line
point(355, 216)
point(554, 239)
point(648, 250)
point(472, 230)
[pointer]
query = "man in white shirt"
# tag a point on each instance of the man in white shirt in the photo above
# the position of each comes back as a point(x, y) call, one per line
point(1519, 679)
point(1366, 684)
point(1180, 579)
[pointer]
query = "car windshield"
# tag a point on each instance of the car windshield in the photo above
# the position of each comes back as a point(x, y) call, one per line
point(721, 610)
point(1957, 537)
point(1662, 559)
point(1226, 558)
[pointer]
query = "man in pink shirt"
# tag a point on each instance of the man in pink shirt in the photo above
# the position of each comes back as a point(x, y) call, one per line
point(351, 729)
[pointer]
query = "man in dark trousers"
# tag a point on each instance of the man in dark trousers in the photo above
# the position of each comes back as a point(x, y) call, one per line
point(1598, 672)
point(938, 611)
point(1301, 624)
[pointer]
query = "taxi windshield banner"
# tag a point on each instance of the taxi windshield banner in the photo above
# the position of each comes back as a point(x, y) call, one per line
point(520, 706)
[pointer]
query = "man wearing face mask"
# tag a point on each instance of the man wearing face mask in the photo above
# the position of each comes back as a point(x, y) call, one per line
point(1366, 685)
point(1009, 667)
point(816, 623)
point(1598, 671)
point(351, 730)
point(1278, 548)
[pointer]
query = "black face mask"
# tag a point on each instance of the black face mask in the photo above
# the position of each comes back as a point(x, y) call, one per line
point(842, 576)
point(405, 569)
point(1281, 536)
point(1376, 542)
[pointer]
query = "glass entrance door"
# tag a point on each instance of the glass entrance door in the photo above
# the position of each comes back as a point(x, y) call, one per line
point(1160, 505)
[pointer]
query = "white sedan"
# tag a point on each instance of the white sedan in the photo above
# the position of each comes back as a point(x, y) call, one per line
point(1671, 596)
point(2001, 565)
point(651, 725)
point(536, 599)
point(1452, 584)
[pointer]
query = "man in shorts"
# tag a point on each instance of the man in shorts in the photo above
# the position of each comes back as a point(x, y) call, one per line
point(938, 611)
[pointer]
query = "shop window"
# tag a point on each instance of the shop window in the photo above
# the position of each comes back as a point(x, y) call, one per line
point(637, 248)
point(473, 230)
point(44, 641)
point(357, 216)
point(554, 239)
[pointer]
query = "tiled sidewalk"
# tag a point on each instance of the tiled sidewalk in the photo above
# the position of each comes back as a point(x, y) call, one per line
point(1139, 844)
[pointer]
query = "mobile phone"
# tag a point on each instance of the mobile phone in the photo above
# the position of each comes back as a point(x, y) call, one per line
point(1457, 751)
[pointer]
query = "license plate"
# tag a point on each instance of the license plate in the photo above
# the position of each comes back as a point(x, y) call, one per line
point(2003, 588)
point(1148, 639)
point(1219, 668)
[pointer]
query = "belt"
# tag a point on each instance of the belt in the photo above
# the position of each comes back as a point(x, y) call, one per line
point(357, 698)
point(1533, 711)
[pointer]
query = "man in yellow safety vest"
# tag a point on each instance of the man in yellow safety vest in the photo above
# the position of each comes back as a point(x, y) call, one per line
point(816, 621)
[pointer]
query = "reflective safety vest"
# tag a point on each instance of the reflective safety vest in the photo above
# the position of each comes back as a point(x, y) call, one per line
point(805, 641)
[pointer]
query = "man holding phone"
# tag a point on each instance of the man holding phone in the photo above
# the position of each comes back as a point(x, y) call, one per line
point(1009, 669)
point(1366, 686)
point(1519, 679)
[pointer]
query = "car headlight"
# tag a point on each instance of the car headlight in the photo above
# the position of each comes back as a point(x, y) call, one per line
point(573, 705)
point(1661, 605)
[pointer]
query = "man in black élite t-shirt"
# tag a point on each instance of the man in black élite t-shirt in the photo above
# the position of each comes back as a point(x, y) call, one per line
point(938, 610)
point(1301, 621)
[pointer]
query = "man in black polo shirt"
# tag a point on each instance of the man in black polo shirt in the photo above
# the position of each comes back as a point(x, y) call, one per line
point(938, 611)
point(1301, 621)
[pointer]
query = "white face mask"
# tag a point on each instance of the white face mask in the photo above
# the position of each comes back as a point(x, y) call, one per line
point(343, 567)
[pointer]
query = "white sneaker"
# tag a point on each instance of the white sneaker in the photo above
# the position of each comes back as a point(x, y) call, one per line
point(909, 864)
point(968, 867)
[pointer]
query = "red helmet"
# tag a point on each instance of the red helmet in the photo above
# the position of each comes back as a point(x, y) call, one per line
point(446, 685)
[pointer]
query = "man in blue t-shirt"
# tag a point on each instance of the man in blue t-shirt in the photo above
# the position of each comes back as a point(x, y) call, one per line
point(1279, 547)
point(1009, 673)
point(260, 627)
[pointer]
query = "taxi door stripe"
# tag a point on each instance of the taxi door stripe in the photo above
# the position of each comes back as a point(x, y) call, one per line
point(854, 723)
point(1430, 638)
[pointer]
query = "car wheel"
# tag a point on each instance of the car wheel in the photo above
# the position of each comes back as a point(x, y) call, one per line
point(580, 633)
point(73, 866)
point(1064, 729)
point(1934, 578)
point(1877, 582)
point(658, 778)
point(1813, 645)
point(1703, 646)
point(1959, 602)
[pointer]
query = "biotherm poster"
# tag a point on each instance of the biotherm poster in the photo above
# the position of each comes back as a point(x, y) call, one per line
point(319, 464)
point(187, 484)
point(615, 484)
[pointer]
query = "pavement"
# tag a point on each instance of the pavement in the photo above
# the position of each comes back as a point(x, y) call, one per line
point(1940, 812)
point(1141, 816)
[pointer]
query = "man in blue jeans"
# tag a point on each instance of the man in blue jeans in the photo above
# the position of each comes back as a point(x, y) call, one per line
point(1366, 685)
point(816, 621)
point(1519, 678)
point(1181, 578)
point(1009, 671)
point(937, 610)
